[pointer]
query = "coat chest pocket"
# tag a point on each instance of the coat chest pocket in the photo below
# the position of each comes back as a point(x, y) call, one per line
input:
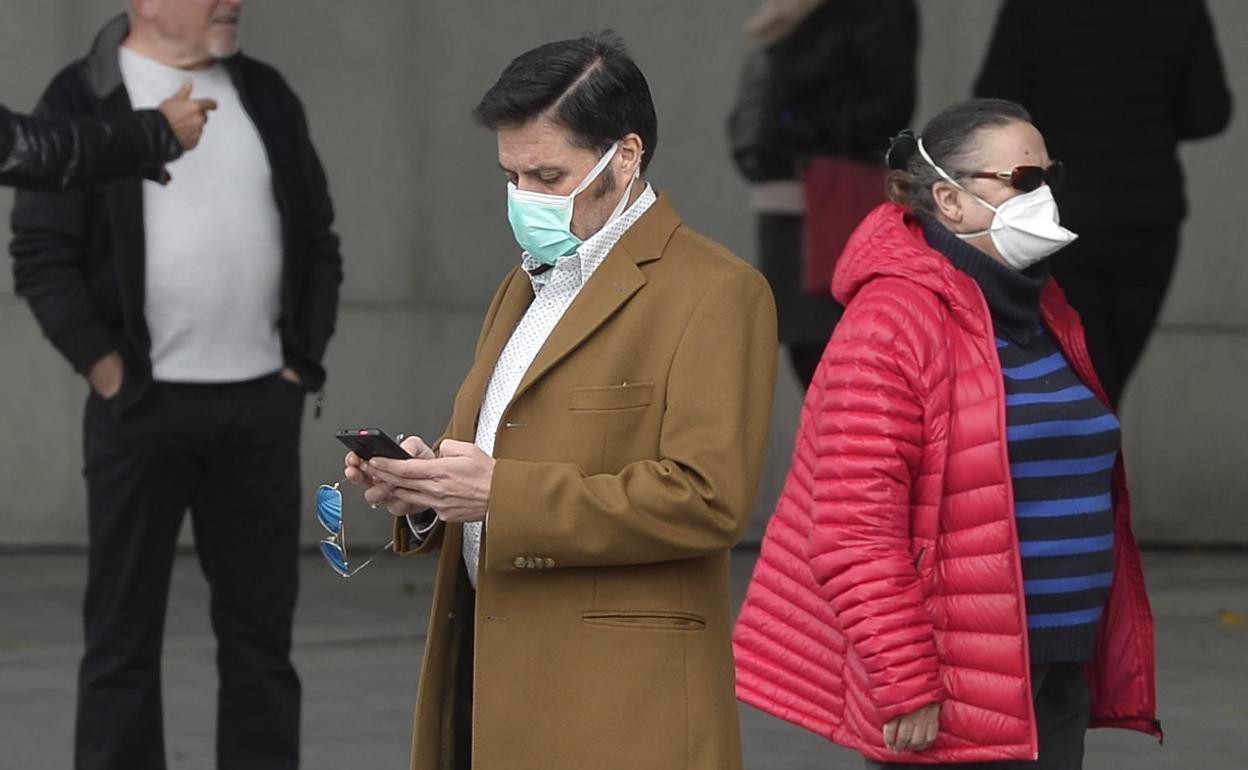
point(611, 397)
point(606, 425)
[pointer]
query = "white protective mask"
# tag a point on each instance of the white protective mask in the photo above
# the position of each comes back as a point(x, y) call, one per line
point(1025, 229)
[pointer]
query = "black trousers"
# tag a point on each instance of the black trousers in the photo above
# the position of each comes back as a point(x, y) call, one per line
point(229, 453)
point(805, 320)
point(1117, 280)
point(1063, 707)
point(805, 358)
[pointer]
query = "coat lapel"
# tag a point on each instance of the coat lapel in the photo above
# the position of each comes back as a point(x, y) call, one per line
point(516, 300)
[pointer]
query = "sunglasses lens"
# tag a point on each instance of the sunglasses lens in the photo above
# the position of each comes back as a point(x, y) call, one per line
point(335, 556)
point(1027, 178)
point(329, 509)
point(1054, 174)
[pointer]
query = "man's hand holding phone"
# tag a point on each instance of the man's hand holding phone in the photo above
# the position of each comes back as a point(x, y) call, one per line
point(378, 492)
point(454, 483)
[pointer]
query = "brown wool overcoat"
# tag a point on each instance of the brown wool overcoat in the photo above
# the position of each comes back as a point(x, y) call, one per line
point(627, 467)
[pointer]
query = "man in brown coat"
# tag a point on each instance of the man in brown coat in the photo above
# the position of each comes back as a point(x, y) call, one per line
point(602, 457)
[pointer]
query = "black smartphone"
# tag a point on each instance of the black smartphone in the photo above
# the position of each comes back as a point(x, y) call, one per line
point(370, 442)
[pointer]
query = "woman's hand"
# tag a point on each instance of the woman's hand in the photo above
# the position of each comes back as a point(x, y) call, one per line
point(915, 731)
point(378, 492)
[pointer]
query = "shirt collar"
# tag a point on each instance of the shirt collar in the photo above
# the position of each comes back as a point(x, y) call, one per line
point(590, 254)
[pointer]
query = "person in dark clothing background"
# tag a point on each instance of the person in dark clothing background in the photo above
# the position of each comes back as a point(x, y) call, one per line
point(1115, 86)
point(199, 312)
point(57, 153)
point(835, 79)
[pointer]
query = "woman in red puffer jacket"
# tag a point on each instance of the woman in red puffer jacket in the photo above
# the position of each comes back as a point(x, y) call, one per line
point(950, 575)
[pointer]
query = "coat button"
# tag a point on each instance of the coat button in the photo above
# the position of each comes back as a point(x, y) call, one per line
point(519, 562)
point(531, 563)
point(550, 563)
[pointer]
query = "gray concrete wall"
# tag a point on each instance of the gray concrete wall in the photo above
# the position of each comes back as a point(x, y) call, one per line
point(388, 85)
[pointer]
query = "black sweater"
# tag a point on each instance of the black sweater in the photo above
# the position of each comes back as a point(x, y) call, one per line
point(1113, 85)
point(1063, 445)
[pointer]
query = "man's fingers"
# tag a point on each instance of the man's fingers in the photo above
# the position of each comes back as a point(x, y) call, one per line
point(184, 92)
point(383, 476)
point(430, 489)
point(405, 469)
point(416, 447)
point(413, 498)
point(451, 448)
point(378, 493)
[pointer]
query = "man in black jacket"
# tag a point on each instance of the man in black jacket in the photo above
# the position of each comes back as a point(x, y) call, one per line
point(56, 153)
point(199, 312)
point(1113, 86)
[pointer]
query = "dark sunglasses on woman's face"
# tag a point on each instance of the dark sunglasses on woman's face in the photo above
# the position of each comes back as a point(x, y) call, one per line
point(1027, 178)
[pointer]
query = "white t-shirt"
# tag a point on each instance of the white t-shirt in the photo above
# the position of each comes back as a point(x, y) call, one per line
point(214, 239)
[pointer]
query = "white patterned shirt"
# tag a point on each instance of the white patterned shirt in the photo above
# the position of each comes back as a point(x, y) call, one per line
point(554, 290)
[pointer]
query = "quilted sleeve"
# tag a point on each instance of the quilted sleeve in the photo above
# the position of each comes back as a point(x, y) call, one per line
point(867, 445)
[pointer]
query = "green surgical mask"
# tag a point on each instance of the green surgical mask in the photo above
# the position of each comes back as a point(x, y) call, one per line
point(542, 223)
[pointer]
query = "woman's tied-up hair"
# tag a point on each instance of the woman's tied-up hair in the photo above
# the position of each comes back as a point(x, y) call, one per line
point(951, 139)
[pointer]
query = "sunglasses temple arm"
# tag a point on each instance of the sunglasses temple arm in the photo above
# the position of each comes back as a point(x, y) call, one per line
point(384, 548)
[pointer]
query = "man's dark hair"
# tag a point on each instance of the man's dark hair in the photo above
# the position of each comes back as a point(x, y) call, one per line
point(588, 85)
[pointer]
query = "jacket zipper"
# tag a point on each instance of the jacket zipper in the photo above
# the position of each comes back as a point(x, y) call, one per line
point(1003, 425)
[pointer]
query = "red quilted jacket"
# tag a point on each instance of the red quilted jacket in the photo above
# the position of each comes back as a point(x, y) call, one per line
point(890, 575)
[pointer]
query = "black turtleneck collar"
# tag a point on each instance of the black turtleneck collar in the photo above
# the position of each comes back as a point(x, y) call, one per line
point(1013, 296)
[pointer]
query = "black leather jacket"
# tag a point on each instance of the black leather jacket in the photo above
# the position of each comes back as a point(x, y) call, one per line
point(56, 153)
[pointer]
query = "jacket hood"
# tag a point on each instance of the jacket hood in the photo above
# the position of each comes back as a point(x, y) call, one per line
point(889, 243)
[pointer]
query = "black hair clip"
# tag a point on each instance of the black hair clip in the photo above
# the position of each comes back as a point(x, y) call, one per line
point(900, 149)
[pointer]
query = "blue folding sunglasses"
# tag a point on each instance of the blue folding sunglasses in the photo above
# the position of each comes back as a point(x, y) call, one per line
point(334, 547)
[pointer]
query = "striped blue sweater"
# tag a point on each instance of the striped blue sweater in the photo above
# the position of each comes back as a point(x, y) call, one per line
point(1063, 445)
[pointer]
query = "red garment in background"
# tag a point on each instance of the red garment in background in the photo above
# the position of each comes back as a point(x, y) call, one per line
point(839, 193)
